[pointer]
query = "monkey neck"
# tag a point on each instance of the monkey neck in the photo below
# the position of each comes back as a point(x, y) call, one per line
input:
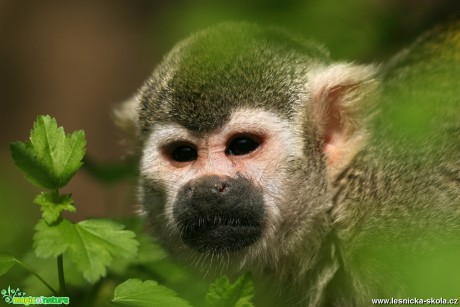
point(324, 276)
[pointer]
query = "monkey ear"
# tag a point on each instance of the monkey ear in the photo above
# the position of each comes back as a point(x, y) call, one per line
point(342, 100)
point(125, 116)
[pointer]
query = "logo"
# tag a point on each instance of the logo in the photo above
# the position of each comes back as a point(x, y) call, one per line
point(9, 294)
point(18, 297)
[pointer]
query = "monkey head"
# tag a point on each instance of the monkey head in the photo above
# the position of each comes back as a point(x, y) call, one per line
point(242, 131)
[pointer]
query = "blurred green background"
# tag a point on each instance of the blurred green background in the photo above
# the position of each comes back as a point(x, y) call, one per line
point(75, 60)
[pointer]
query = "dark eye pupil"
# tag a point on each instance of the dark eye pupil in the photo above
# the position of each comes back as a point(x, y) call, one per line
point(242, 146)
point(184, 154)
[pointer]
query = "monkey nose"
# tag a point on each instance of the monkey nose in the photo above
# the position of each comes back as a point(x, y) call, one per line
point(209, 185)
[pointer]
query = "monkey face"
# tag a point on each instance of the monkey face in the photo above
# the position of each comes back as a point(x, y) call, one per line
point(219, 191)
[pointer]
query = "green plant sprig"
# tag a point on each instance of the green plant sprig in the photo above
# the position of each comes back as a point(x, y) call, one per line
point(49, 160)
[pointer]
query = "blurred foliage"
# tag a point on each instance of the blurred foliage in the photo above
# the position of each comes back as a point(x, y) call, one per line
point(356, 29)
point(313, 19)
point(417, 132)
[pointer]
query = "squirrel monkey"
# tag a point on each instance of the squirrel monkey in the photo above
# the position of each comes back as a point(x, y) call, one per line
point(327, 180)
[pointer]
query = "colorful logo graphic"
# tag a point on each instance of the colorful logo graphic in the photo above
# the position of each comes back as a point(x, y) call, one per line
point(18, 297)
point(9, 294)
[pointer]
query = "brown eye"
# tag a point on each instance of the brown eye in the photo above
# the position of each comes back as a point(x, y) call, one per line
point(242, 145)
point(184, 153)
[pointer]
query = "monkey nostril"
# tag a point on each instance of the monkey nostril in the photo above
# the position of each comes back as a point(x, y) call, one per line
point(221, 187)
point(189, 191)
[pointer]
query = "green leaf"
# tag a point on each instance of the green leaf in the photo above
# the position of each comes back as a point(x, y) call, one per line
point(90, 245)
point(137, 293)
point(224, 294)
point(6, 263)
point(50, 241)
point(52, 204)
point(51, 157)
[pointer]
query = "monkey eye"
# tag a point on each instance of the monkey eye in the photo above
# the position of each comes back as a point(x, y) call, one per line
point(184, 153)
point(242, 145)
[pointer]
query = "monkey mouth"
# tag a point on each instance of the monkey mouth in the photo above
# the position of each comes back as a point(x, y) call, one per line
point(215, 235)
point(218, 215)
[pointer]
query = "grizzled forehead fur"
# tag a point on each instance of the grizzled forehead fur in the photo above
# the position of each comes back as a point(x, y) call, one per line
point(229, 67)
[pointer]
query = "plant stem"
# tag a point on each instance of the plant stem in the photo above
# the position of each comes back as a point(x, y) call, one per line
point(60, 263)
point(60, 258)
point(36, 275)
